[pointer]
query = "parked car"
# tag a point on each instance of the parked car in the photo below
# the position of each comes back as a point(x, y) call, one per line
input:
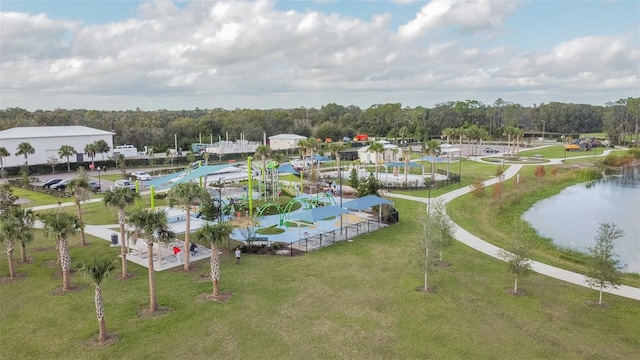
point(491, 150)
point(51, 182)
point(94, 186)
point(141, 175)
point(125, 184)
point(61, 185)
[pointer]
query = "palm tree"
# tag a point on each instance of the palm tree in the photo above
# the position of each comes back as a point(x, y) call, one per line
point(58, 226)
point(67, 151)
point(97, 270)
point(336, 149)
point(91, 150)
point(120, 198)
point(150, 224)
point(16, 226)
point(406, 156)
point(26, 219)
point(213, 235)
point(376, 148)
point(101, 147)
point(448, 133)
point(263, 151)
point(185, 195)
point(432, 149)
point(3, 154)
point(79, 188)
point(24, 148)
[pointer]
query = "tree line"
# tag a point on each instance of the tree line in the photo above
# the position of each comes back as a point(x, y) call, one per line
point(158, 129)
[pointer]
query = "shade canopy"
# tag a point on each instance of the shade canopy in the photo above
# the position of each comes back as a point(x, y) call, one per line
point(365, 202)
point(287, 169)
point(319, 213)
point(401, 164)
point(320, 158)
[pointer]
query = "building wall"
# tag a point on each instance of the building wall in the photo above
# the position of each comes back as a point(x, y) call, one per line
point(283, 144)
point(367, 157)
point(46, 147)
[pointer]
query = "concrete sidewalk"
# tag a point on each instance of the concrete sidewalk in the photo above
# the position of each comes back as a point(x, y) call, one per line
point(478, 244)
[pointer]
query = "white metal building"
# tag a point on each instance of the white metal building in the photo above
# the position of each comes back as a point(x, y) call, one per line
point(47, 140)
point(285, 141)
point(389, 155)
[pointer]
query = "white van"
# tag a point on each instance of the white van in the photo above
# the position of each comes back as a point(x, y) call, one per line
point(125, 150)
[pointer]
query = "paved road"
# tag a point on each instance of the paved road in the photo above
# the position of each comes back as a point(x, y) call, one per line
point(476, 243)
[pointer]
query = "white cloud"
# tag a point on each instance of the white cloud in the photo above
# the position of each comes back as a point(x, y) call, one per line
point(465, 15)
point(249, 54)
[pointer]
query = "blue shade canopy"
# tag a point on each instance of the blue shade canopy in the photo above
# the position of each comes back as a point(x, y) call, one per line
point(319, 158)
point(288, 169)
point(401, 164)
point(318, 213)
point(365, 202)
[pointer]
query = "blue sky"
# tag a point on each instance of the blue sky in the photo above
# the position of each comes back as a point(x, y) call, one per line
point(267, 53)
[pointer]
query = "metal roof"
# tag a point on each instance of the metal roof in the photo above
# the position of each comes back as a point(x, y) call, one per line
point(50, 131)
point(365, 202)
point(288, 137)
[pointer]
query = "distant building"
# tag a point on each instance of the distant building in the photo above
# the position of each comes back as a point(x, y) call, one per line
point(285, 141)
point(47, 140)
point(389, 155)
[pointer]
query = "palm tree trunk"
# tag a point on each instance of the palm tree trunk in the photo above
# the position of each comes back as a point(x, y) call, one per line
point(102, 328)
point(515, 286)
point(23, 252)
point(68, 165)
point(215, 270)
point(10, 246)
point(153, 302)
point(83, 240)
point(186, 239)
point(65, 263)
point(123, 246)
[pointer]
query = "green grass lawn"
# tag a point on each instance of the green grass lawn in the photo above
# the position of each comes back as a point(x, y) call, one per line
point(352, 300)
point(557, 152)
point(35, 198)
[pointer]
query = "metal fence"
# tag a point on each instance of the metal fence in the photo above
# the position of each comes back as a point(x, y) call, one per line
point(319, 240)
point(452, 179)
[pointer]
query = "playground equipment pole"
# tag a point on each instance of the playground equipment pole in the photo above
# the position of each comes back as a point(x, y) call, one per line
point(250, 189)
point(340, 182)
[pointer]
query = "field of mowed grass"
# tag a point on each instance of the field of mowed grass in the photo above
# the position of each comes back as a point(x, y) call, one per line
point(353, 300)
point(557, 152)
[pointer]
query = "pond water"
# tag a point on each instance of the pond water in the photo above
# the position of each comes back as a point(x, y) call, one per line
point(572, 218)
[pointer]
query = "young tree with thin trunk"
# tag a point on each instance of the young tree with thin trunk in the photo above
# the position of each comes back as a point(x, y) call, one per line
point(428, 250)
point(97, 270)
point(478, 189)
point(58, 226)
point(213, 235)
point(79, 188)
point(151, 225)
point(185, 195)
point(443, 226)
point(120, 198)
point(517, 260)
point(66, 151)
point(604, 267)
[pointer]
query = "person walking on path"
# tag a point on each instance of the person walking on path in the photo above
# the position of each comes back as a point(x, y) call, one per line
point(238, 256)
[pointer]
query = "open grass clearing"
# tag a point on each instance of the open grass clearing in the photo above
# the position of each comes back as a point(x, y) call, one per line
point(351, 300)
point(557, 152)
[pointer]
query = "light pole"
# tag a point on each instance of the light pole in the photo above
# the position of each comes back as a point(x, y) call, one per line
point(460, 169)
point(340, 184)
point(220, 198)
point(99, 182)
point(542, 130)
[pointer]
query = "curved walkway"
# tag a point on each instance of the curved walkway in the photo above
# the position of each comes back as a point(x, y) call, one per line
point(476, 243)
